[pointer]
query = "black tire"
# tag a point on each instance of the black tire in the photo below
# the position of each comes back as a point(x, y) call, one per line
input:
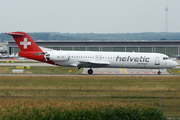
point(90, 71)
point(159, 73)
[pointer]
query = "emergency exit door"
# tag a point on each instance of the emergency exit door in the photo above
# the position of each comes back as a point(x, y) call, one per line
point(157, 62)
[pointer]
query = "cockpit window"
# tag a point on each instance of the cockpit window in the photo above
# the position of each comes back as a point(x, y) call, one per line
point(166, 58)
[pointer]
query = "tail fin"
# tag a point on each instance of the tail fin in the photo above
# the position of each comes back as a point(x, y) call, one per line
point(24, 41)
point(28, 48)
point(16, 55)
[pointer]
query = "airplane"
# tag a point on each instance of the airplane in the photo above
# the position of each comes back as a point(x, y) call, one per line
point(4, 56)
point(16, 55)
point(12, 55)
point(1, 56)
point(89, 59)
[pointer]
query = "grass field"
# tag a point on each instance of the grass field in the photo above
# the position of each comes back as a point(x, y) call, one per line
point(42, 70)
point(132, 83)
point(57, 109)
point(161, 92)
point(12, 61)
point(174, 71)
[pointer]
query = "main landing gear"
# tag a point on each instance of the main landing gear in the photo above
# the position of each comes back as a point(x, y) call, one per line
point(159, 72)
point(90, 71)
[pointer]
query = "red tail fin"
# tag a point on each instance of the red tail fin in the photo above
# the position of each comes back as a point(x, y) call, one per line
point(27, 46)
point(25, 42)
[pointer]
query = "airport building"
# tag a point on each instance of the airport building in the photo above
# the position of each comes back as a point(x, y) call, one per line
point(170, 47)
point(4, 49)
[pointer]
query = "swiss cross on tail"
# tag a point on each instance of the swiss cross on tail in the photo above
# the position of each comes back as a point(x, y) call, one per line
point(25, 43)
point(27, 46)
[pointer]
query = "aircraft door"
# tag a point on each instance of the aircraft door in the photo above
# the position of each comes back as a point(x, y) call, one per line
point(157, 62)
point(98, 57)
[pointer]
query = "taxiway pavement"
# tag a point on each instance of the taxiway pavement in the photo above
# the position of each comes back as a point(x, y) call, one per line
point(97, 71)
point(124, 71)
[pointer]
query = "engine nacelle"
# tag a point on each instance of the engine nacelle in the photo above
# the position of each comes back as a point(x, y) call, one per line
point(58, 56)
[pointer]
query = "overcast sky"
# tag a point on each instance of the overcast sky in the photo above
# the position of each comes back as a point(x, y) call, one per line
point(86, 16)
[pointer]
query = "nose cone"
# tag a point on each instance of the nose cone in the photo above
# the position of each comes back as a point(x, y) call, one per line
point(174, 64)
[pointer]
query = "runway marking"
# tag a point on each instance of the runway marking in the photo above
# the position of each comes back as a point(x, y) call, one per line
point(144, 72)
point(123, 70)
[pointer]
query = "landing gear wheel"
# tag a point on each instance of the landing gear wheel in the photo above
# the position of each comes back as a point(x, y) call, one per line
point(159, 72)
point(90, 71)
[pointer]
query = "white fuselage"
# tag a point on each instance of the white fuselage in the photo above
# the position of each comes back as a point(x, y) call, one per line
point(80, 59)
point(112, 59)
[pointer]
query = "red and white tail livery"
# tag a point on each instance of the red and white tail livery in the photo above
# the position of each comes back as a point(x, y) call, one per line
point(25, 42)
point(27, 46)
point(81, 59)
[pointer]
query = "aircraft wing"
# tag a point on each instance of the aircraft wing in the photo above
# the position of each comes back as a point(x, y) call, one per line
point(94, 64)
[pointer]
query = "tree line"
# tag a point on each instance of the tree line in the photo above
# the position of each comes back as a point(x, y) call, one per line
point(98, 36)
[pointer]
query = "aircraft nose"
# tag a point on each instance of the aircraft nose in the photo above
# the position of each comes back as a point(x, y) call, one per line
point(175, 64)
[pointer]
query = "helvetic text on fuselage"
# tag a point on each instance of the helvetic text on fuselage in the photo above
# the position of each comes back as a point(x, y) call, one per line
point(131, 59)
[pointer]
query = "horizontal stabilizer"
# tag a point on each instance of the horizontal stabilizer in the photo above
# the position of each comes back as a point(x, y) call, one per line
point(14, 34)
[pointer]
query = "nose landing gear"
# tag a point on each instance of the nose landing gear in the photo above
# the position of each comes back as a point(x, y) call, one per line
point(159, 72)
point(90, 71)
